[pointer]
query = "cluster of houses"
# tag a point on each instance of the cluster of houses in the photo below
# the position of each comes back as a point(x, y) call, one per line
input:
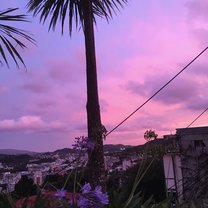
point(185, 162)
point(61, 165)
point(38, 171)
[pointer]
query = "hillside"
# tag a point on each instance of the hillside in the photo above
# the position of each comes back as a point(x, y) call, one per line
point(16, 152)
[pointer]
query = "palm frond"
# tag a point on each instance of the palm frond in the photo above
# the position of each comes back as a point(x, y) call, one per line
point(72, 10)
point(10, 37)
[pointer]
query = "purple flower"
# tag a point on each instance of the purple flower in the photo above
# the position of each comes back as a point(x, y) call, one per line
point(92, 198)
point(60, 193)
point(83, 143)
point(86, 188)
point(85, 203)
point(102, 197)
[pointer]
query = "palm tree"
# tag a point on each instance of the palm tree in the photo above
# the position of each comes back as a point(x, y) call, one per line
point(10, 37)
point(83, 13)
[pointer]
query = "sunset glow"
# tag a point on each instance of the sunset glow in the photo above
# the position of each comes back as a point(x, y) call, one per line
point(138, 51)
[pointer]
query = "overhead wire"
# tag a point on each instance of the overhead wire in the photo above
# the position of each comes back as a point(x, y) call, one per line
point(192, 122)
point(183, 131)
point(150, 98)
point(197, 117)
point(189, 184)
point(192, 185)
point(195, 185)
point(118, 125)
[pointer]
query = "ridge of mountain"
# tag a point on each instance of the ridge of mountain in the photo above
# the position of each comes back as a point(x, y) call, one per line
point(16, 152)
point(107, 148)
point(115, 147)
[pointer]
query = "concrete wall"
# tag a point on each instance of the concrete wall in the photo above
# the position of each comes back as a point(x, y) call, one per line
point(186, 170)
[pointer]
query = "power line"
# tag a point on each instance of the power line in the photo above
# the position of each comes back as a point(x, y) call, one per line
point(187, 183)
point(197, 118)
point(124, 120)
point(194, 120)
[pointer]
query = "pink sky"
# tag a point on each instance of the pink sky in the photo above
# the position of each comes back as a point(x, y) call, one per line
point(147, 43)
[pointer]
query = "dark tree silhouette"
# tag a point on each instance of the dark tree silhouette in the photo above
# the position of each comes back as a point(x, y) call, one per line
point(150, 135)
point(83, 13)
point(25, 187)
point(12, 37)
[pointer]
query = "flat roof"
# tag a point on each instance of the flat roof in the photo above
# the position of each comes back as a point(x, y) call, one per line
point(192, 130)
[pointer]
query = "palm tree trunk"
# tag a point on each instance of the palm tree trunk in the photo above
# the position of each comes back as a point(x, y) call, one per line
point(96, 166)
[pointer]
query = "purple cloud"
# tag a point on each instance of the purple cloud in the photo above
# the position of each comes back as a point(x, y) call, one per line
point(36, 87)
point(66, 71)
point(30, 124)
point(197, 9)
point(201, 34)
point(3, 89)
point(179, 91)
point(136, 88)
point(199, 104)
point(200, 69)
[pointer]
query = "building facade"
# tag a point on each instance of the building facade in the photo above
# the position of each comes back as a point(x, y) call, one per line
point(186, 163)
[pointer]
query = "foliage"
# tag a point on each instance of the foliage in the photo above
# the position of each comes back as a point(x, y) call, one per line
point(18, 162)
point(12, 159)
point(114, 202)
point(60, 181)
point(150, 135)
point(149, 180)
point(43, 160)
point(146, 174)
point(25, 187)
point(60, 9)
point(10, 37)
point(139, 187)
point(6, 201)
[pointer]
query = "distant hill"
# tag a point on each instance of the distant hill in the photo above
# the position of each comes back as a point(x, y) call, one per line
point(136, 149)
point(107, 148)
point(16, 152)
point(115, 147)
point(142, 147)
point(65, 151)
